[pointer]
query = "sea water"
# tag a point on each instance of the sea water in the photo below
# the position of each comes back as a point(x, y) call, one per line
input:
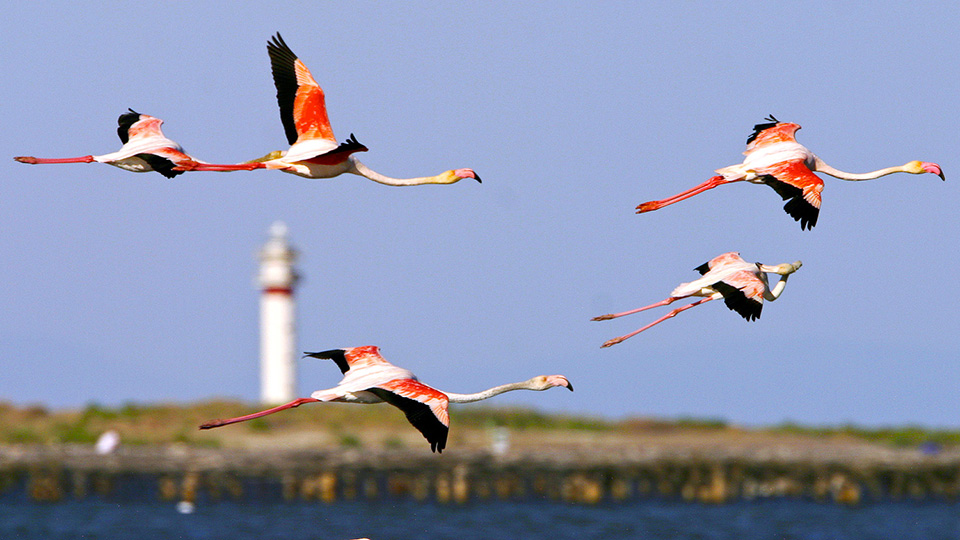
point(406, 519)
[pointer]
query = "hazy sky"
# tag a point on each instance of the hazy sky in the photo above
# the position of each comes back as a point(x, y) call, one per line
point(132, 287)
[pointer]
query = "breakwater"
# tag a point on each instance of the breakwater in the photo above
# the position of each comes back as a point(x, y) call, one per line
point(716, 475)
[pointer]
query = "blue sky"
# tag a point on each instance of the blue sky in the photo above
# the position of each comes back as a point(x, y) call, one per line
point(131, 287)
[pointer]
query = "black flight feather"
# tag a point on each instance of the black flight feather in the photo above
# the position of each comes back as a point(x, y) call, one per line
point(339, 356)
point(125, 121)
point(737, 301)
point(799, 208)
point(420, 416)
point(703, 268)
point(160, 164)
point(349, 146)
point(282, 62)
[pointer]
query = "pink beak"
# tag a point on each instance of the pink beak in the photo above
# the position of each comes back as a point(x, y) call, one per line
point(933, 168)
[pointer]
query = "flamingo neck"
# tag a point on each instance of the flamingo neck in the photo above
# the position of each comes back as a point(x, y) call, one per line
point(490, 392)
point(824, 168)
point(773, 294)
point(362, 170)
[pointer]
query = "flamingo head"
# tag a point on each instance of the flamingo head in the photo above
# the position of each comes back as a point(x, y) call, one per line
point(782, 269)
point(456, 175)
point(276, 154)
point(926, 166)
point(544, 382)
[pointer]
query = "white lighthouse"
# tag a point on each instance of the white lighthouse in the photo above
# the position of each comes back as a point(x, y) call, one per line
point(278, 375)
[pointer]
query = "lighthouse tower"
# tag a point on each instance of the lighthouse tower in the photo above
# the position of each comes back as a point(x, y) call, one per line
point(278, 375)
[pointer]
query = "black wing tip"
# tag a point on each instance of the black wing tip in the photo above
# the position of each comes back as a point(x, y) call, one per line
point(160, 164)
point(800, 210)
point(352, 144)
point(283, 69)
point(277, 41)
point(797, 207)
point(276, 46)
point(703, 268)
point(323, 354)
point(437, 445)
point(124, 122)
point(736, 300)
point(339, 356)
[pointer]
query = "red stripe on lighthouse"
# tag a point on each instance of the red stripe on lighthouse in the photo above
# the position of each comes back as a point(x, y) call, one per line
point(278, 290)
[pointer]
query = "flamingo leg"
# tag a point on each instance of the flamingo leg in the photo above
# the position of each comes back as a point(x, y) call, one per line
point(713, 182)
point(194, 166)
point(614, 341)
point(292, 404)
point(35, 161)
point(609, 316)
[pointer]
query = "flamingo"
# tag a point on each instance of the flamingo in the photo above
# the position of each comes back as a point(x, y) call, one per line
point(742, 285)
point(314, 152)
point(369, 378)
point(775, 158)
point(144, 149)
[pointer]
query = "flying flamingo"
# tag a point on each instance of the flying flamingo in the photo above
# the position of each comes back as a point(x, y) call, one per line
point(314, 152)
point(369, 378)
point(742, 285)
point(775, 158)
point(144, 148)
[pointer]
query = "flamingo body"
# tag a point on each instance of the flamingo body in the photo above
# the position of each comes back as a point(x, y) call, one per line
point(775, 158)
point(742, 285)
point(368, 378)
point(314, 151)
point(144, 149)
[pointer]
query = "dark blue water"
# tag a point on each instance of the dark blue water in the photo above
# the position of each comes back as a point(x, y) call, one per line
point(95, 518)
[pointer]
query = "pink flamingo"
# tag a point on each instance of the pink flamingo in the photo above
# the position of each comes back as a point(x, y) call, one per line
point(742, 285)
point(144, 149)
point(775, 158)
point(314, 152)
point(369, 378)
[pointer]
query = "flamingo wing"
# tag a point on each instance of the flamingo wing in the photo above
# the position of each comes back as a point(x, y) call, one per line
point(164, 160)
point(124, 122)
point(303, 108)
point(337, 355)
point(353, 358)
point(425, 408)
point(703, 268)
point(793, 180)
point(768, 123)
point(742, 292)
point(339, 153)
point(729, 260)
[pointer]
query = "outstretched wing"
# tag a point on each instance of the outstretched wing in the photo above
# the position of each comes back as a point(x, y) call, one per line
point(742, 292)
point(160, 164)
point(770, 122)
point(124, 122)
point(353, 357)
point(337, 355)
point(424, 407)
point(794, 181)
point(730, 259)
point(303, 109)
point(339, 153)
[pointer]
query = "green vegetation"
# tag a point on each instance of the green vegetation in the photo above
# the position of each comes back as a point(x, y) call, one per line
point(349, 440)
point(900, 437)
point(354, 427)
